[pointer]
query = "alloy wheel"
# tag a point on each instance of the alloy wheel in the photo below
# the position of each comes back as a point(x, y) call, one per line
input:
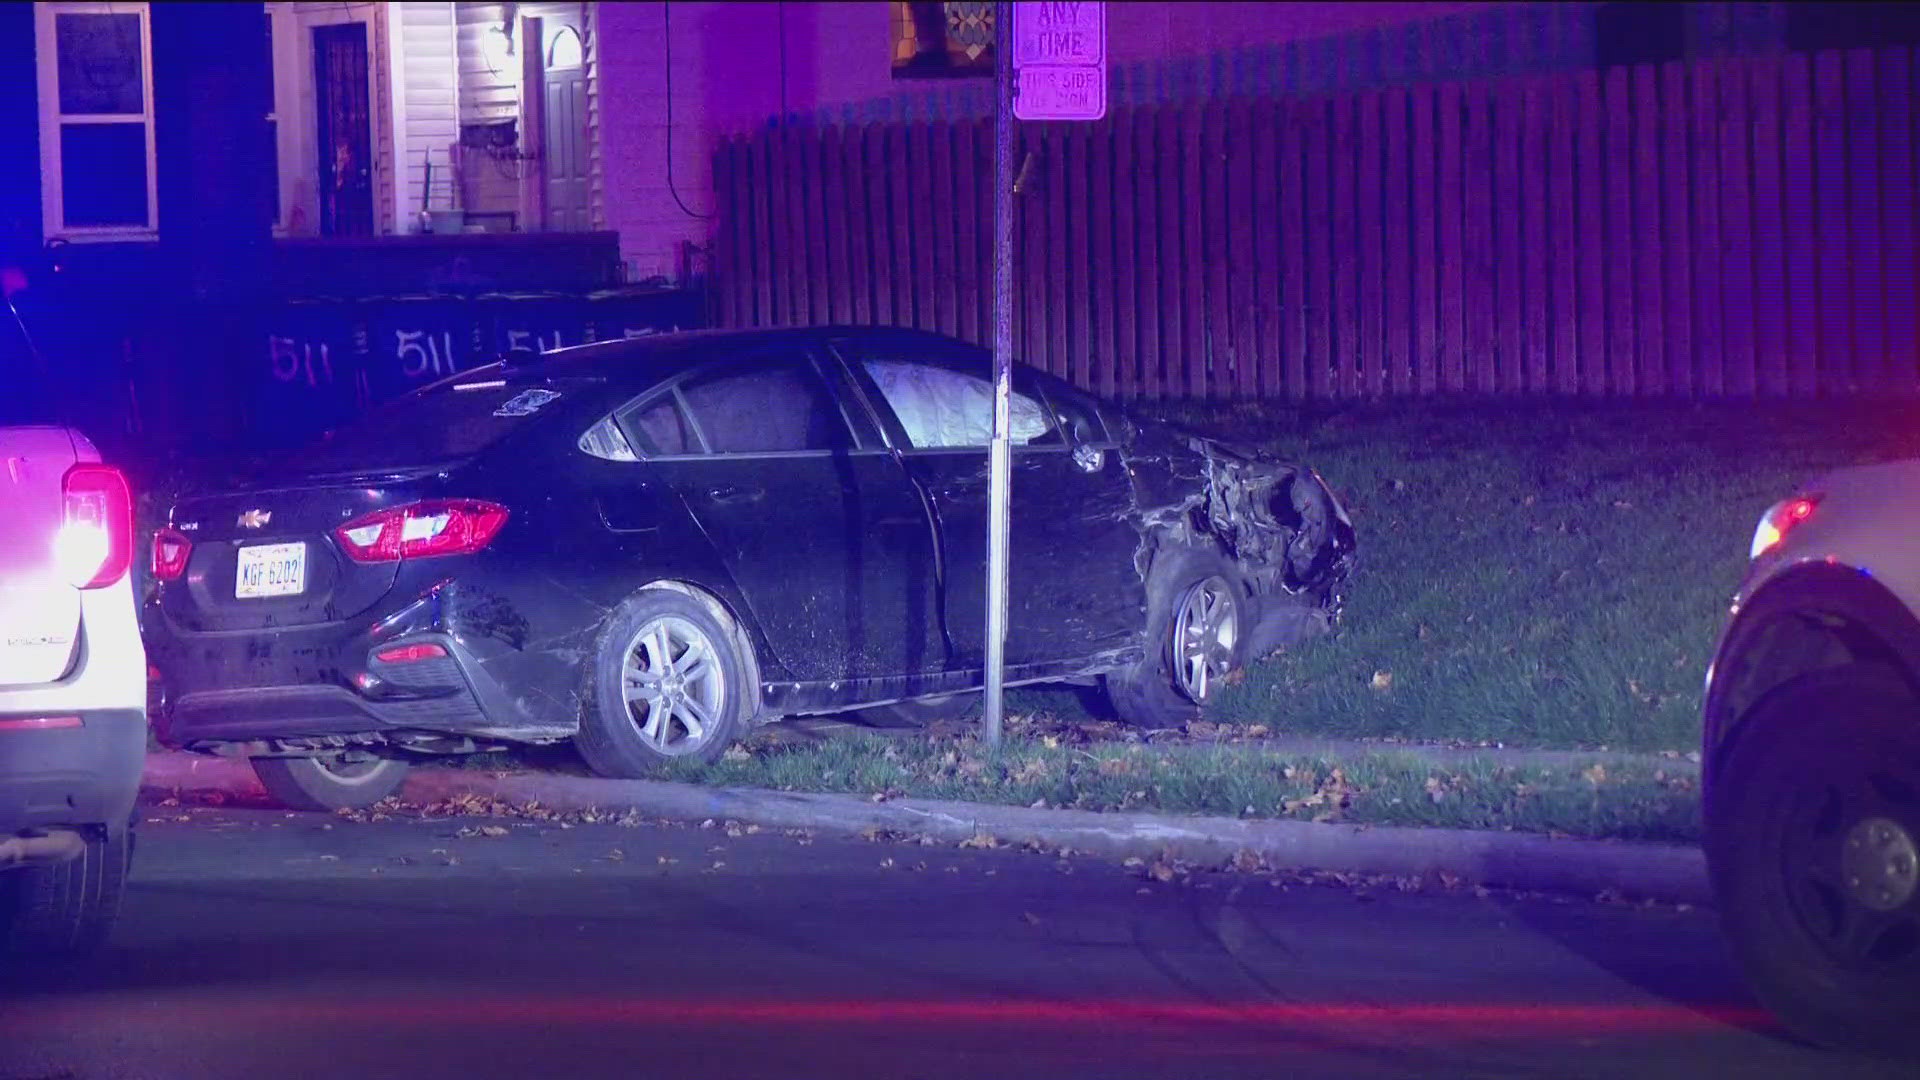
point(1206, 630)
point(673, 684)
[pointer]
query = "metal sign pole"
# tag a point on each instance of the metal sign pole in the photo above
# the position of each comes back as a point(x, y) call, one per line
point(1000, 468)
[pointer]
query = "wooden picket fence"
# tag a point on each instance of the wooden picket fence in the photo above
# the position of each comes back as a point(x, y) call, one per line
point(1716, 228)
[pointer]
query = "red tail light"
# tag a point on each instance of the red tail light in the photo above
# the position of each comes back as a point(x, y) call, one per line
point(170, 551)
point(95, 546)
point(411, 654)
point(422, 530)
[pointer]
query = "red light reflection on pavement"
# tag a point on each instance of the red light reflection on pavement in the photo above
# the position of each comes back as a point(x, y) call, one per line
point(1531, 1020)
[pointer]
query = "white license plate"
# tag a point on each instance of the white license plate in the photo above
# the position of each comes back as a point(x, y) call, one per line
point(270, 570)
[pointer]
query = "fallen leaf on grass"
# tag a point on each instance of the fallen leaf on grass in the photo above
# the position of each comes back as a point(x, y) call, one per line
point(1382, 680)
point(1595, 775)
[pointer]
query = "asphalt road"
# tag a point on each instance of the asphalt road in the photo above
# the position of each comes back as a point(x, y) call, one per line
point(258, 943)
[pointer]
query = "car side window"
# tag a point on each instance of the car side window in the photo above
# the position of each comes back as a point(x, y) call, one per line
point(661, 428)
point(939, 407)
point(1078, 416)
point(772, 406)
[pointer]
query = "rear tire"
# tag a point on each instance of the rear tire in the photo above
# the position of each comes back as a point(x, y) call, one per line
point(68, 908)
point(1198, 615)
point(313, 783)
point(1812, 818)
point(667, 683)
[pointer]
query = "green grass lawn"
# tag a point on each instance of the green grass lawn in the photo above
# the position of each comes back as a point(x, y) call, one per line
point(1535, 574)
point(1638, 799)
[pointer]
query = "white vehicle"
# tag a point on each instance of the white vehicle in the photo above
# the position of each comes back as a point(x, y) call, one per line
point(1812, 752)
point(73, 714)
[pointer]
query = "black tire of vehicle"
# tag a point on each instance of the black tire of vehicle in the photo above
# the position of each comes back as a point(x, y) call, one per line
point(67, 908)
point(305, 783)
point(609, 739)
point(922, 711)
point(1148, 693)
point(1801, 742)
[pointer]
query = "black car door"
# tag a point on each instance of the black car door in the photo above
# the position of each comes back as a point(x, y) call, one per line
point(1072, 587)
point(819, 526)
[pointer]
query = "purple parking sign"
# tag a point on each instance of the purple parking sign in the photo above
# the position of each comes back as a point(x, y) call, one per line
point(1060, 57)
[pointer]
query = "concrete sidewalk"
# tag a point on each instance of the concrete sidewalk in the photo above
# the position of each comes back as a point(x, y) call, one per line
point(1670, 872)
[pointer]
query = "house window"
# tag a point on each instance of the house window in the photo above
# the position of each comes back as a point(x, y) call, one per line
point(933, 40)
point(96, 120)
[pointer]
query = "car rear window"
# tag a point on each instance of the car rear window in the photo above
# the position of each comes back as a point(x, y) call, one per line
point(442, 424)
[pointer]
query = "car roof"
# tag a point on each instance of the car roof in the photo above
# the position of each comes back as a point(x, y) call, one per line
point(659, 356)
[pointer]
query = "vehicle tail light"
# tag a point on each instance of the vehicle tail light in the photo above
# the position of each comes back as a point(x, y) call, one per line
point(422, 530)
point(170, 551)
point(1779, 520)
point(409, 654)
point(95, 545)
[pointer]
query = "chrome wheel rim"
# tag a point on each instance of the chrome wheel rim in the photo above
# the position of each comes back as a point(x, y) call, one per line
point(1206, 628)
point(1852, 867)
point(672, 686)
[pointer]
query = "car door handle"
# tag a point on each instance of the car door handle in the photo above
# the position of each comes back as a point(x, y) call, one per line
point(731, 493)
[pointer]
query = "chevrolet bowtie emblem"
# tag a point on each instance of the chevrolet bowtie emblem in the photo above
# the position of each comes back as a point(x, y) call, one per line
point(254, 519)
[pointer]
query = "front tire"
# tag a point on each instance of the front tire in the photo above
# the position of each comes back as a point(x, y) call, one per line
point(327, 783)
point(1812, 821)
point(1198, 615)
point(668, 683)
point(66, 909)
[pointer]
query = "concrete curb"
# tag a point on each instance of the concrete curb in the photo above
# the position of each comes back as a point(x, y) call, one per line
point(1671, 872)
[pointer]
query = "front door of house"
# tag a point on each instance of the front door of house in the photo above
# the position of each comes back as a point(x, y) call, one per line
point(345, 143)
point(565, 152)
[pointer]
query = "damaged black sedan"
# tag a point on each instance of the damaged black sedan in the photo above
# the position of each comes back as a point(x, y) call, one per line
point(651, 546)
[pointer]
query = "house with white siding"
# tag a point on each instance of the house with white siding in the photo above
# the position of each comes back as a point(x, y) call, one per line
point(463, 117)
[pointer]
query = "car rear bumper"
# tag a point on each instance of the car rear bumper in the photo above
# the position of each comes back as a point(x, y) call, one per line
point(63, 777)
point(320, 682)
point(293, 712)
